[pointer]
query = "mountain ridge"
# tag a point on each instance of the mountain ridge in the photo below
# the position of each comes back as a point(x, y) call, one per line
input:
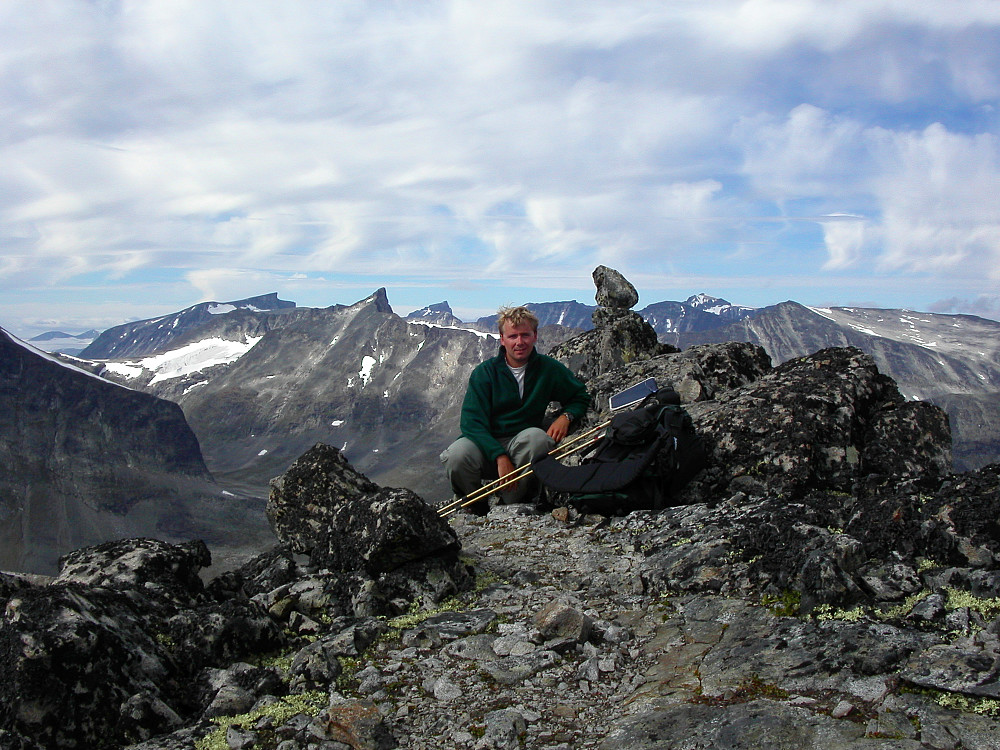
point(86, 460)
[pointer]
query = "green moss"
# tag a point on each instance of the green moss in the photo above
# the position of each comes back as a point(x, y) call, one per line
point(958, 702)
point(988, 608)
point(826, 612)
point(281, 661)
point(925, 563)
point(787, 604)
point(281, 711)
point(902, 610)
point(165, 640)
point(349, 667)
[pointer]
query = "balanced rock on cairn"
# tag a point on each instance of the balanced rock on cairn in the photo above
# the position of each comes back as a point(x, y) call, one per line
point(614, 290)
point(619, 336)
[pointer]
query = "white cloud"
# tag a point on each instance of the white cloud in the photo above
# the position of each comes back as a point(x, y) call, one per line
point(844, 237)
point(437, 142)
point(938, 192)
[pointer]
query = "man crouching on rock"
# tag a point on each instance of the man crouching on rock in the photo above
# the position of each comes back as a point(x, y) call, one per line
point(504, 406)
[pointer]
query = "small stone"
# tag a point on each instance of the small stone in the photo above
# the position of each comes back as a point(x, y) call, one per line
point(444, 690)
point(842, 710)
point(240, 739)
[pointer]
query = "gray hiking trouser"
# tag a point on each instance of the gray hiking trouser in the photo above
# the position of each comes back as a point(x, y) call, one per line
point(467, 467)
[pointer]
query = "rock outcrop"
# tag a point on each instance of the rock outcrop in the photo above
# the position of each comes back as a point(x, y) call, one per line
point(619, 335)
point(127, 642)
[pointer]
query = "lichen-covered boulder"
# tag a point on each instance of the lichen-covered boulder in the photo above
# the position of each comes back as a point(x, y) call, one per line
point(105, 654)
point(376, 549)
point(384, 532)
point(817, 422)
point(303, 499)
point(152, 567)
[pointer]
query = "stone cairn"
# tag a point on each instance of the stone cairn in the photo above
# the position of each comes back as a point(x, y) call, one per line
point(620, 335)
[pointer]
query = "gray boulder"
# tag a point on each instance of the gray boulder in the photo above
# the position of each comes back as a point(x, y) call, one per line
point(304, 498)
point(613, 289)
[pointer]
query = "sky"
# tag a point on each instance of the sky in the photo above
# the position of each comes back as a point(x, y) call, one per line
point(160, 153)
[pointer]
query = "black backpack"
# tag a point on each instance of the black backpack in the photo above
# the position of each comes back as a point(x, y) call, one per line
point(645, 457)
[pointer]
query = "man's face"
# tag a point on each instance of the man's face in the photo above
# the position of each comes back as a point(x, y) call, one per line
point(518, 341)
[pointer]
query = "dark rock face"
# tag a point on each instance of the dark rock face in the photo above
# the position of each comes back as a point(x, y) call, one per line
point(127, 643)
point(80, 454)
point(818, 422)
point(819, 443)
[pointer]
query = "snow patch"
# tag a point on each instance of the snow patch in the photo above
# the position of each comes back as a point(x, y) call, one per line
point(221, 309)
point(263, 452)
point(336, 423)
point(367, 363)
point(195, 357)
point(826, 312)
point(480, 334)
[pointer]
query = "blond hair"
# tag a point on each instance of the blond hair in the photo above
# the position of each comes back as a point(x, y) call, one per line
point(516, 316)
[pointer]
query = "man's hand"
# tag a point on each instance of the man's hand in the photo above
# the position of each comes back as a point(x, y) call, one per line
point(559, 427)
point(504, 467)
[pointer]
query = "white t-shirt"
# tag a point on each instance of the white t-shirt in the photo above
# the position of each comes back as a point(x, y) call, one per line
point(518, 373)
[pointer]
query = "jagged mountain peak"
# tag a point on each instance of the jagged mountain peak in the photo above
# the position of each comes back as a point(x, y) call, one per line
point(438, 314)
point(379, 299)
point(430, 310)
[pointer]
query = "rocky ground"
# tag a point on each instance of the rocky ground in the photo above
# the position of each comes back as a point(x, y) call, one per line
point(563, 643)
point(657, 669)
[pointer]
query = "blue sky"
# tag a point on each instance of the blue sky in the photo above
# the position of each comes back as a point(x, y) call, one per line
point(158, 154)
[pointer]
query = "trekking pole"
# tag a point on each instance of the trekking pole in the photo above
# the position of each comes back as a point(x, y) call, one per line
point(559, 451)
point(563, 449)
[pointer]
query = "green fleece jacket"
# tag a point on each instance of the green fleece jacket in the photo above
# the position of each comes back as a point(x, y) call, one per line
point(493, 408)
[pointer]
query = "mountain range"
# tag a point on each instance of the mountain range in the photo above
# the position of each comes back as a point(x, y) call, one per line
point(950, 360)
point(259, 381)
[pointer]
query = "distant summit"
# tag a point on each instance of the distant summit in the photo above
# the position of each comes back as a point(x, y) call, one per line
point(147, 336)
point(63, 343)
point(718, 306)
point(439, 314)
